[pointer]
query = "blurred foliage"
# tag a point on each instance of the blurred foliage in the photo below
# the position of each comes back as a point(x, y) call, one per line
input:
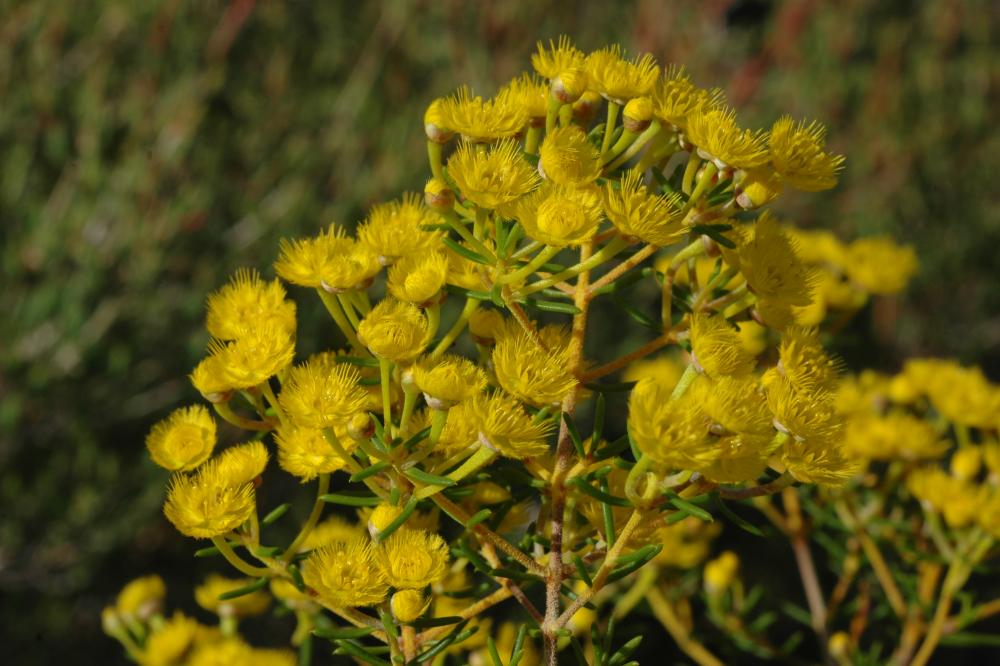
point(148, 148)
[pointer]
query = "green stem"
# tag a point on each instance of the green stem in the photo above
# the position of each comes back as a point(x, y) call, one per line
point(434, 157)
point(690, 171)
point(463, 231)
point(385, 373)
point(605, 253)
point(529, 268)
point(409, 402)
point(626, 139)
point(482, 457)
point(348, 307)
point(238, 562)
point(552, 114)
point(703, 184)
point(225, 410)
point(609, 127)
point(684, 382)
point(322, 489)
point(633, 149)
point(456, 329)
point(439, 417)
point(272, 399)
point(339, 318)
point(433, 313)
point(532, 139)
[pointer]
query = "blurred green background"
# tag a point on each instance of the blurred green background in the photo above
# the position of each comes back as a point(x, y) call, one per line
point(149, 148)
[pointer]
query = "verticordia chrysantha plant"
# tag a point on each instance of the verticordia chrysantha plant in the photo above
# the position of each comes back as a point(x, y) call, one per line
point(500, 517)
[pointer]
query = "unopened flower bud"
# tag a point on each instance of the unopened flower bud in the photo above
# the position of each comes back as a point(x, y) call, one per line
point(110, 621)
point(434, 125)
point(758, 187)
point(485, 324)
point(721, 572)
point(839, 644)
point(381, 517)
point(569, 85)
point(438, 195)
point(637, 114)
point(360, 428)
point(408, 605)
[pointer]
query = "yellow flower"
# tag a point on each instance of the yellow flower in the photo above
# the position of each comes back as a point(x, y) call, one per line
point(721, 572)
point(637, 114)
point(742, 458)
point(798, 155)
point(617, 79)
point(818, 461)
point(804, 362)
point(305, 452)
point(494, 177)
point(141, 598)
point(413, 559)
point(448, 380)
point(394, 330)
point(248, 299)
point(559, 215)
point(258, 354)
point(322, 393)
point(675, 98)
point(559, 57)
point(716, 347)
point(804, 414)
point(671, 432)
point(506, 428)
point(537, 376)
point(637, 212)
point(418, 279)
point(330, 530)
point(532, 95)
point(665, 369)
point(718, 138)
point(207, 595)
point(879, 265)
point(897, 435)
point(461, 430)
point(758, 187)
point(771, 266)
point(346, 574)
point(394, 230)
point(408, 605)
point(568, 158)
point(242, 464)
point(204, 505)
point(172, 643)
point(434, 123)
point(183, 440)
point(486, 325)
point(235, 651)
point(754, 337)
point(210, 379)
point(685, 543)
point(331, 257)
point(734, 404)
point(479, 120)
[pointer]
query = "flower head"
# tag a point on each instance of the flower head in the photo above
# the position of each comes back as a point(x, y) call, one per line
point(807, 415)
point(568, 158)
point(394, 330)
point(560, 56)
point(813, 461)
point(394, 230)
point(305, 452)
point(210, 379)
point(505, 427)
point(449, 380)
point(242, 463)
point(330, 530)
point(260, 352)
point(245, 299)
point(879, 265)
point(804, 362)
point(183, 440)
point(771, 266)
point(715, 132)
point(675, 98)
point(331, 257)
point(536, 375)
point(346, 574)
point(560, 215)
point(408, 605)
point(173, 641)
point(207, 595)
point(531, 94)
point(461, 430)
point(742, 458)
point(637, 212)
point(322, 393)
point(418, 279)
point(413, 559)
point(204, 505)
point(672, 432)
point(735, 405)
point(717, 349)
point(798, 155)
point(617, 79)
point(483, 120)
point(141, 598)
point(494, 177)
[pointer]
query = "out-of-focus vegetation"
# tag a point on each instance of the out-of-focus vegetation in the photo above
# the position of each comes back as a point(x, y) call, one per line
point(148, 148)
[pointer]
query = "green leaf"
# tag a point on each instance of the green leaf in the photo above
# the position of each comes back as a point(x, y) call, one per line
point(645, 554)
point(419, 475)
point(554, 306)
point(471, 255)
point(360, 652)
point(798, 614)
point(456, 637)
point(477, 518)
point(732, 516)
point(608, 515)
point(574, 434)
point(342, 633)
point(349, 499)
point(398, 521)
point(714, 231)
point(518, 651)
point(687, 507)
point(581, 568)
point(388, 625)
point(276, 513)
point(640, 317)
point(211, 551)
point(429, 622)
point(599, 495)
point(625, 651)
point(293, 569)
point(243, 591)
point(599, 413)
point(369, 471)
point(491, 647)
point(971, 639)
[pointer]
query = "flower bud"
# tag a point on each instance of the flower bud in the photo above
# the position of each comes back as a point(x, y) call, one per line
point(758, 187)
point(408, 605)
point(721, 572)
point(434, 126)
point(485, 324)
point(637, 114)
point(839, 644)
point(360, 428)
point(111, 623)
point(570, 85)
point(381, 517)
point(438, 195)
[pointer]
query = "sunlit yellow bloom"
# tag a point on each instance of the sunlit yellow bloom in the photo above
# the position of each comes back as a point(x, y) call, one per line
point(494, 177)
point(418, 279)
point(897, 435)
point(666, 369)
point(235, 651)
point(396, 229)
point(559, 215)
point(771, 266)
point(758, 187)
point(435, 123)
point(242, 463)
point(721, 572)
point(507, 428)
point(716, 347)
point(413, 559)
point(207, 595)
point(210, 379)
point(394, 330)
point(305, 452)
point(672, 432)
point(322, 393)
point(798, 155)
point(742, 458)
point(448, 380)
point(557, 58)
point(959, 501)
point(880, 265)
point(962, 395)
point(248, 299)
point(675, 98)
point(346, 574)
point(734, 405)
point(141, 598)
point(617, 79)
point(172, 643)
point(486, 325)
point(804, 362)
point(461, 430)
point(329, 530)
point(753, 336)
point(204, 505)
point(538, 376)
point(330, 257)
point(483, 120)
point(408, 605)
point(818, 461)
point(966, 463)
point(256, 355)
point(531, 94)
point(567, 157)
point(637, 114)
point(718, 138)
point(685, 543)
point(183, 440)
point(805, 414)
point(639, 213)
